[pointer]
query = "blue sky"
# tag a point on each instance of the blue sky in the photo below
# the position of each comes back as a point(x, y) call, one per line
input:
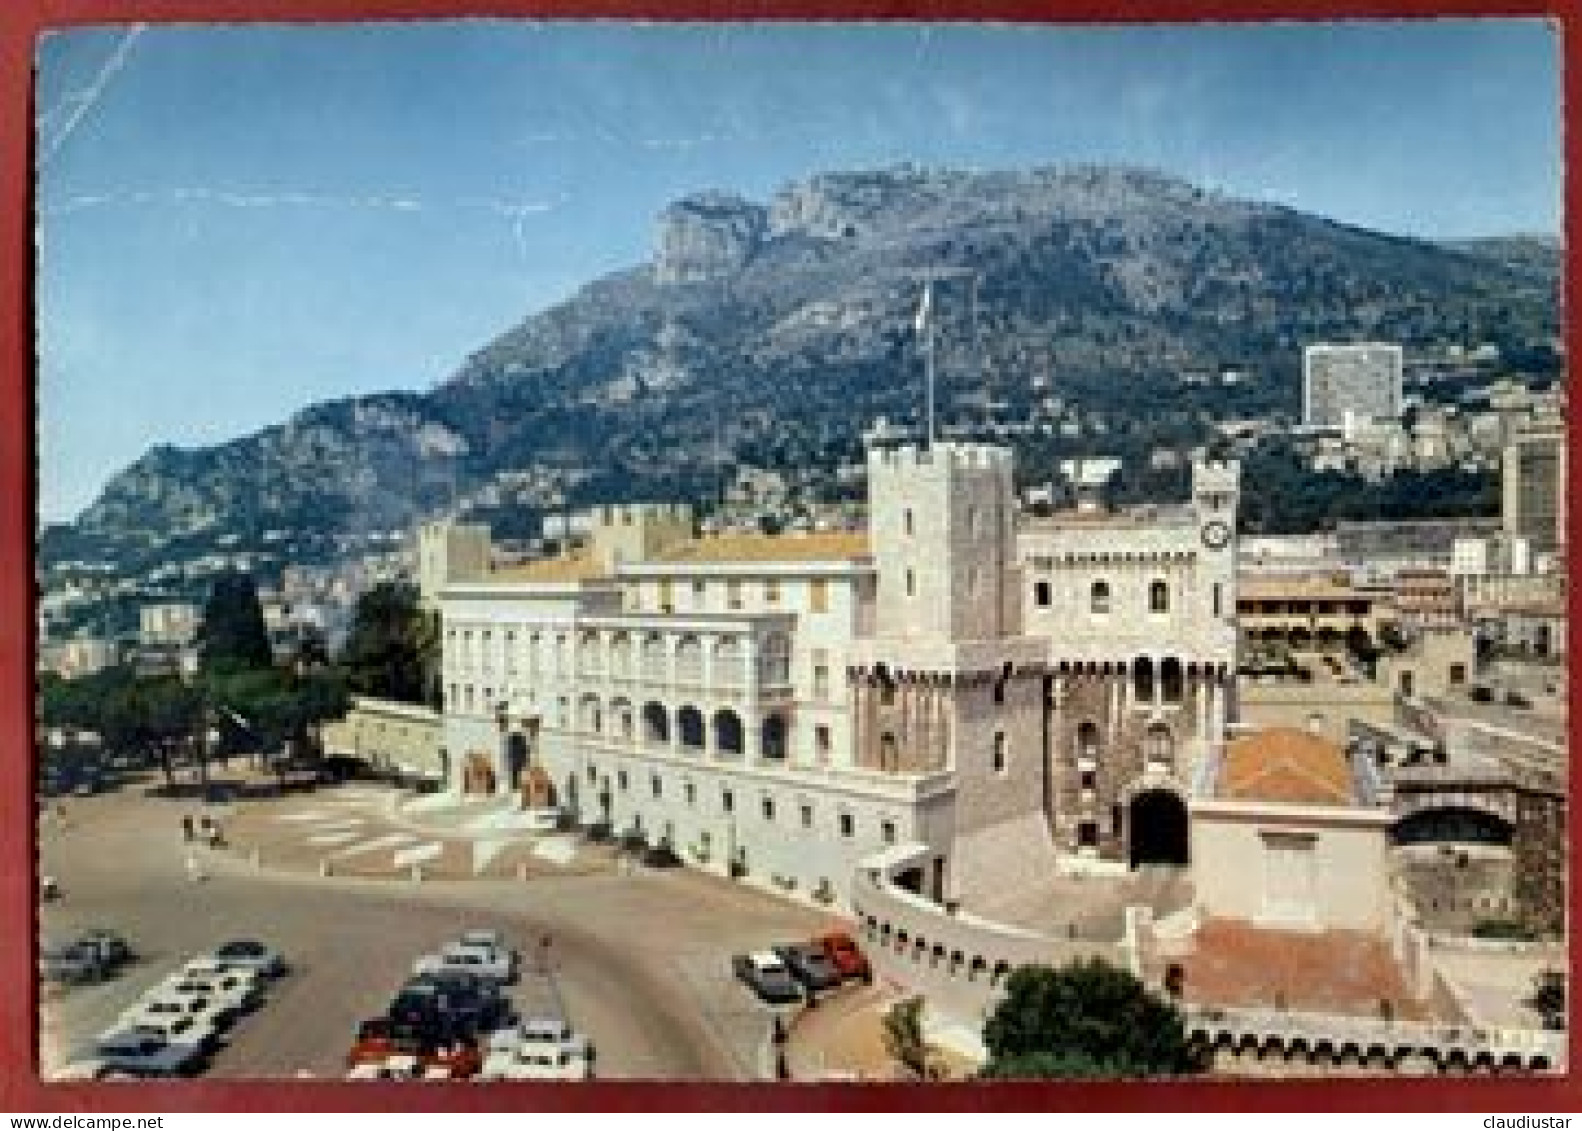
point(237, 222)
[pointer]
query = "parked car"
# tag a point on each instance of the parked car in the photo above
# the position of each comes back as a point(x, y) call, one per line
point(764, 974)
point(844, 953)
point(536, 1062)
point(484, 937)
point(71, 965)
point(232, 993)
point(111, 946)
point(249, 954)
point(137, 1052)
point(173, 1029)
point(458, 958)
point(160, 1006)
point(810, 966)
point(542, 1030)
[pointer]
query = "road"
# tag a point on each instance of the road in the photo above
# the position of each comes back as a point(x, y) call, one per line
point(643, 960)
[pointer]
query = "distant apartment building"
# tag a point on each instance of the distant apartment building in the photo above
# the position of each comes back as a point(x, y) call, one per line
point(1350, 382)
point(168, 624)
point(1533, 476)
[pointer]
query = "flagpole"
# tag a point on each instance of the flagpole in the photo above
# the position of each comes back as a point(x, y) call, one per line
point(928, 357)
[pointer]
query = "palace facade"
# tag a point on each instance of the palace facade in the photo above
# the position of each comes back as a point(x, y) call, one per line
point(976, 691)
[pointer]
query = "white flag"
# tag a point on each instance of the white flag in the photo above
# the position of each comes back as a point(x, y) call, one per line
point(924, 308)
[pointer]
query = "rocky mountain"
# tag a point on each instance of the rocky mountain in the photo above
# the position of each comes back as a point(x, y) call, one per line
point(772, 332)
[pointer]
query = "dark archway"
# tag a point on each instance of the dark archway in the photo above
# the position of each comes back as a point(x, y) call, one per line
point(1157, 820)
point(1451, 824)
point(1172, 680)
point(774, 737)
point(516, 758)
point(689, 727)
point(727, 732)
point(656, 723)
point(1143, 679)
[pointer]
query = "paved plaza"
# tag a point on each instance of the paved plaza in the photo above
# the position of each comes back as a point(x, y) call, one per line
point(642, 958)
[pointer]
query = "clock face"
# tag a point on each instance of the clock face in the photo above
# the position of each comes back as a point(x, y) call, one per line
point(1216, 535)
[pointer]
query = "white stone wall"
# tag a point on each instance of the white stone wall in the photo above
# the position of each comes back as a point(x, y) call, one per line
point(1232, 844)
point(782, 848)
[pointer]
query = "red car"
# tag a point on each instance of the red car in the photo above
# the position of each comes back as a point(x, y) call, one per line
point(843, 952)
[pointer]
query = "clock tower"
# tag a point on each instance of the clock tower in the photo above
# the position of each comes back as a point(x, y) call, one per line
point(1216, 491)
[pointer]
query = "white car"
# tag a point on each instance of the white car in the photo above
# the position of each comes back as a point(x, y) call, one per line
point(481, 961)
point(534, 1062)
point(484, 937)
point(158, 1008)
point(173, 1030)
point(210, 969)
point(231, 994)
point(541, 1032)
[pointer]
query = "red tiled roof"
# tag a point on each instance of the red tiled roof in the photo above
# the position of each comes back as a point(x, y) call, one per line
point(1286, 765)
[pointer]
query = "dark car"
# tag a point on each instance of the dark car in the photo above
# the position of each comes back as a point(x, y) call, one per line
point(810, 966)
point(766, 976)
point(249, 954)
point(110, 945)
point(454, 1004)
point(72, 965)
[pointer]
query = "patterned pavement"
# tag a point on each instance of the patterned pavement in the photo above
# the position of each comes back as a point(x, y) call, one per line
point(376, 833)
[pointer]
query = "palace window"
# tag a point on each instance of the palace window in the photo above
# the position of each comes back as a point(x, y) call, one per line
point(911, 584)
point(769, 808)
point(771, 592)
point(818, 595)
point(1099, 597)
point(807, 816)
point(1042, 595)
point(999, 752)
point(1158, 597)
point(848, 826)
point(727, 802)
point(733, 595)
point(887, 832)
point(821, 742)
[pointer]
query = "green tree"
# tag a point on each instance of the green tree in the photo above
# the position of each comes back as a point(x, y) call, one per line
point(233, 635)
point(393, 645)
point(1087, 1018)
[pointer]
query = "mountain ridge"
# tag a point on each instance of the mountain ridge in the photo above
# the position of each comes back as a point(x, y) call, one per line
point(779, 327)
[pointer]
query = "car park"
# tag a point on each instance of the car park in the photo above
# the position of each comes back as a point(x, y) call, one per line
point(810, 966)
point(767, 976)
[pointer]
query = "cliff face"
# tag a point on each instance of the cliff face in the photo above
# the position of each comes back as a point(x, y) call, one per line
point(779, 329)
point(707, 237)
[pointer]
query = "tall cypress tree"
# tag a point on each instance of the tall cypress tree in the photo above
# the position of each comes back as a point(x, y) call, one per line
point(233, 635)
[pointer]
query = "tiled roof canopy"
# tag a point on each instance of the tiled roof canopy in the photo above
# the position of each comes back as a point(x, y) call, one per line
point(1286, 765)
